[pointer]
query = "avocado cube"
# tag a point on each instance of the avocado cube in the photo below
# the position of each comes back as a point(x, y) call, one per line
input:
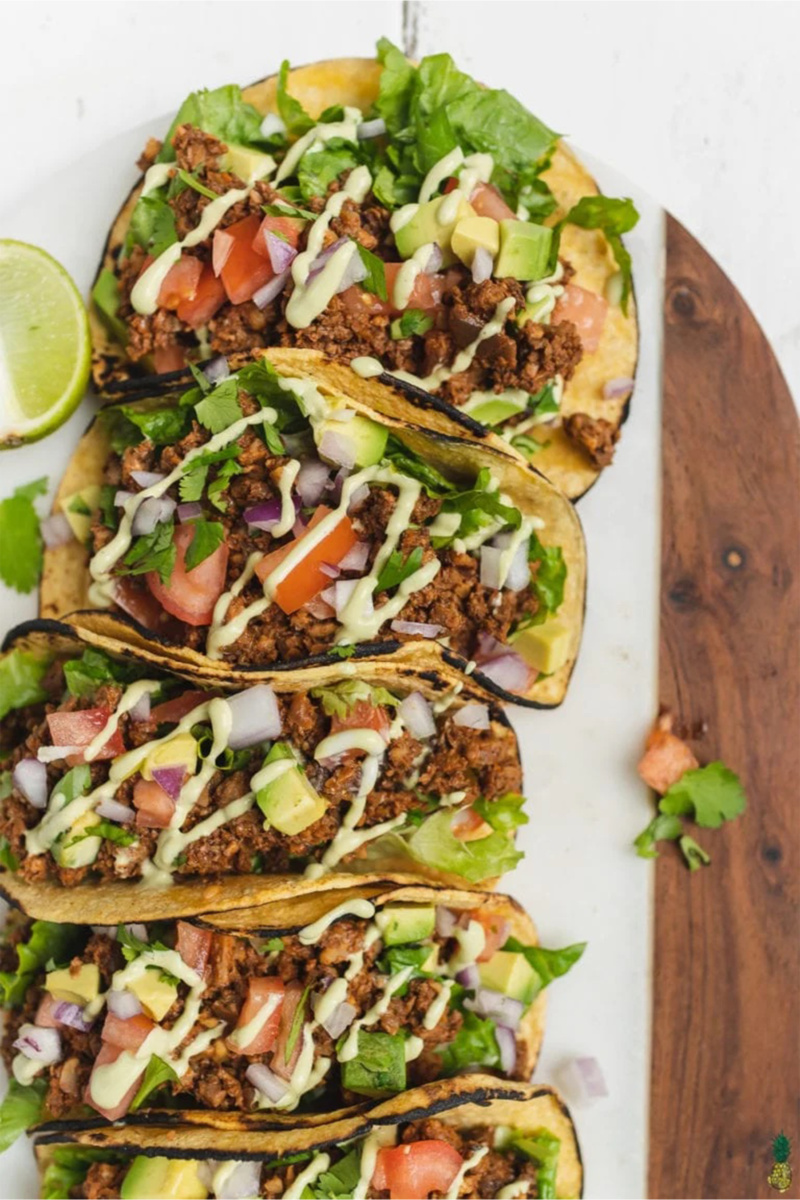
point(170, 1178)
point(79, 507)
point(510, 973)
point(74, 850)
point(156, 993)
point(546, 647)
point(76, 987)
point(248, 164)
point(524, 250)
point(473, 233)
point(430, 224)
point(365, 438)
point(495, 412)
point(379, 1068)
point(178, 751)
point(402, 923)
point(289, 802)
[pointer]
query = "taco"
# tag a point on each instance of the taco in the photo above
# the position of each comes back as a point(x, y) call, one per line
point(114, 773)
point(401, 219)
point(469, 1137)
point(238, 1019)
point(270, 521)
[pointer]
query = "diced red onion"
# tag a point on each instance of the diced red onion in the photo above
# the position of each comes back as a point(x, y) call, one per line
point(39, 1044)
point(615, 389)
point(472, 716)
point(123, 1004)
point(502, 1009)
point(56, 530)
point(265, 515)
point(271, 290)
point(121, 498)
point(469, 977)
point(320, 608)
point(343, 590)
point(584, 1077)
point(417, 716)
point(345, 414)
point(271, 125)
point(507, 1045)
point(337, 448)
point(319, 262)
point(358, 496)
point(266, 1081)
point(354, 272)
point(192, 510)
point(30, 778)
point(417, 628)
point(340, 1019)
point(112, 810)
point(510, 672)
point(446, 921)
point(336, 484)
point(311, 480)
point(72, 1015)
point(146, 479)
point(482, 265)
point(519, 571)
point(141, 709)
point(109, 931)
point(243, 1181)
point(371, 129)
point(170, 779)
point(256, 717)
point(356, 559)
point(48, 754)
point(138, 930)
point(281, 254)
point(217, 370)
point(435, 259)
point(330, 570)
point(152, 512)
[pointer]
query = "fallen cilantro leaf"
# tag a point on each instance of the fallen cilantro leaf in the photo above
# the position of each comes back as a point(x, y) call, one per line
point(710, 795)
point(375, 280)
point(662, 828)
point(694, 854)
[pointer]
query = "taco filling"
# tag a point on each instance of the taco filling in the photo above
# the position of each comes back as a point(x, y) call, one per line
point(117, 776)
point(413, 1160)
point(419, 238)
point(257, 523)
point(363, 1003)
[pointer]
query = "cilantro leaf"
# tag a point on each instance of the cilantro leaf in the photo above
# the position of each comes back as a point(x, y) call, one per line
point(614, 217)
point(375, 280)
point(342, 651)
point(21, 674)
point(158, 1074)
point(479, 506)
point(413, 320)
point(208, 536)
point(396, 569)
point(317, 169)
point(152, 225)
point(153, 552)
point(220, 408)
point(109, 831)
point(297, 1024)
point(408, 463)
point(193, 182)
point(664, 827)
point(339, 1181)
point(475, 1045)
point(293, 115)
point(162, 426)
point(710, 795)
point(694, 854)
point(21, 560)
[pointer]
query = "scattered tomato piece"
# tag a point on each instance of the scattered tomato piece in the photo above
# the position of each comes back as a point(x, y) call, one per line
point(666, 758)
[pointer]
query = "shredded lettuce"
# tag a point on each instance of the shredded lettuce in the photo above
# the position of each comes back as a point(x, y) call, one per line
point(317, 169)
point(505, 813)
point(292, 113)
point(46, 942)
point(68, 1167)
point(84, 675)
point(221, 112)
point(475, 1045)
point(548, 964)
point(21, 1108)
point(434, 843)
point(339, 700)
point(21, 675)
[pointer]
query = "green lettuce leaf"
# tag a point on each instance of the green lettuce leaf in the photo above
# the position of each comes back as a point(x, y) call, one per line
point(45, 941)
point(548, 964)
point(613, 217)
point(479, 507)
point(21, 1108)
point(505, 813)
point(158, 1074)
point(341, 698)
point(485, 858)
point(317, 169)
point(550, 577)
point(68, 1167)
point(292, 113)
point(221, 112)
point(21, 674)
point(475, 1045)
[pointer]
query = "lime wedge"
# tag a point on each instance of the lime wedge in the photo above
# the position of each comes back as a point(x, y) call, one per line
point(45, 351)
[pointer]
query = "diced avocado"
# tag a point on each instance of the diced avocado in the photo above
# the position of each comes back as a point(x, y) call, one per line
point(155, 992)
point(170, 1178)
point(471, 233)
point(426, 226)
point(401, 923)
point(379, 1068)
point(106, 299)
point(510, 973)
point(288, 801)
point(178, 751)
point(76, 987)
point(495, 412)
point(248, 164)
point(79, 507)
point(366, 438)
point(74, 850)
point(546, 647)
point(524, 250)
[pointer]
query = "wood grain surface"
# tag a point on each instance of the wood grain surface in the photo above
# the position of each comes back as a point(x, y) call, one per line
point(726, 1008)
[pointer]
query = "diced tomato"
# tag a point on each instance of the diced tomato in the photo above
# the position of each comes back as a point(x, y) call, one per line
point(126, 1033)
point(288, 228)
point(80, 729)
point(191, 595)
point(243, 271)
point(194, 946)
point(487, 202)
point(45, 1013)
point(259, 993)
point(278, 1062)
point(154, 808)
point(451, 185)
point(666, 760)
point(306, 580)
point(468, 826)
point(174, 710)
point(139, 603)
point(495, 931)
point(109, 1054)
point(586, 310)
point(426, 295)
point(169, 358)
point(180, 282)
point(363, 715)
point(209, 295)
point(414, 1170)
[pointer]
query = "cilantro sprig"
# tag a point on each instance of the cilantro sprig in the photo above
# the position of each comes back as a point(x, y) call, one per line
point(709, 796)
